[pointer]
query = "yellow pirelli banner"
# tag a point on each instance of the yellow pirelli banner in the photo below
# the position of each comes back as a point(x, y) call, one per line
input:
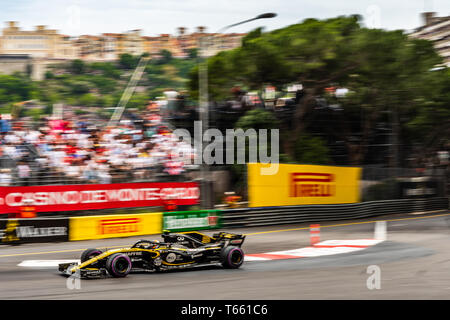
point(294, 184)
point(114, 226)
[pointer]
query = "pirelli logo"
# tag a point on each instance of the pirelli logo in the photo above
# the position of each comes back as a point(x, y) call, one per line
point(311, 184)
point(114, 226)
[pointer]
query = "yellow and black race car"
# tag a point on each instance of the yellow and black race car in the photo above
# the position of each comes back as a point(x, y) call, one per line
point(177, 251)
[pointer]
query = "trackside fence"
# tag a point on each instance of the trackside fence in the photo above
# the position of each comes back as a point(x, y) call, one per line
point(266, 216)
point(35, 230)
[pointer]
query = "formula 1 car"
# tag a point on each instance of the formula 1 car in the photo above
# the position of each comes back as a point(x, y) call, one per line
point(177, 251)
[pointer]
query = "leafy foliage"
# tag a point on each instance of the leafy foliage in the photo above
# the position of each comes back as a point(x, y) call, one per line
point(311, 150)
point(100, 84)
point(127, 61)
point(386, 72)
point(257, 119)
point(77, 66)
point(15, 88)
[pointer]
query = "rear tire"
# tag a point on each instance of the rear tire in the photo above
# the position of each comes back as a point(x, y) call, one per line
point(232, 257)
point(118, 265)
point(89, 254)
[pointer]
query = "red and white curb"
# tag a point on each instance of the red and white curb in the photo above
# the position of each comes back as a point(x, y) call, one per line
point(324, 248)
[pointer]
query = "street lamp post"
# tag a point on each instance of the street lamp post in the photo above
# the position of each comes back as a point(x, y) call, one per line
point(203, 93)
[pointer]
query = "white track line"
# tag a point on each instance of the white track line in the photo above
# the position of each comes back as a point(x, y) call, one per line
point(44, 263)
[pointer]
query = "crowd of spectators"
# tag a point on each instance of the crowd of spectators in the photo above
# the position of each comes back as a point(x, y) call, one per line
point(82, 151)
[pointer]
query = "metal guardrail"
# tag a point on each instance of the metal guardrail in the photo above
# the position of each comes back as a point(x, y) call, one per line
point(373, 173)
point(266, 216)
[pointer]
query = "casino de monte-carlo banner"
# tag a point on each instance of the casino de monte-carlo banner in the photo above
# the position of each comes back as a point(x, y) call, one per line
point(98, 196)
point(296, 184)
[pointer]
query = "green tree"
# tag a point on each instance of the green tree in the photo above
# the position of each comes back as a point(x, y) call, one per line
point(254, 119)
point(257, 119)
point(127, 61)
point(311, 150)
point(385, 71)
point(16, 88)
point(35, 114)
point(104, 84)
point(138, 101)
point(77, 66)
point(108, 69)
point(109, 101)
point(88, 100)
point(166, 57)
point(78, 87)
point(49, 75)
point(429, 125)
point(193, 53)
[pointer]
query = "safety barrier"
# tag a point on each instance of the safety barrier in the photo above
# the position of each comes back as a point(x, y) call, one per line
point(17, 231)
point(265, 216)
point(293, 185)
point(129, 225)
point(112, 226)
point(83, 197)
point(191, 220)
point(34, 230)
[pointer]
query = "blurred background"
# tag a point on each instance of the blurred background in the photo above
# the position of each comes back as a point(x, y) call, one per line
point(91, 96)
point(348, 90)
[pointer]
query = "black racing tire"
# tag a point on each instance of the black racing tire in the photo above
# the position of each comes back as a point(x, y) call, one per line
point(232, 257)
point(118, 265)
point(89, 254)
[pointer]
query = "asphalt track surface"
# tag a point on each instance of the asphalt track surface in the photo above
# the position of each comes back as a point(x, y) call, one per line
point(414, 264)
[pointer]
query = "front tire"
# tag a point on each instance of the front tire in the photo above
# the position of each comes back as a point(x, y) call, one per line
point(232, 257)
point(118, 265)
point(89, 254)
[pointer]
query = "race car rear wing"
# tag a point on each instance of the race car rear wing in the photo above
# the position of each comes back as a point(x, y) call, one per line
point(231, 238)
point(196, 239)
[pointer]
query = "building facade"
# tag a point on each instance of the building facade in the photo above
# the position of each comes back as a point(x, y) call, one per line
point(133, 43)
point(38, 43)
point(112, 46)
point(437, 30)
point(48, 46)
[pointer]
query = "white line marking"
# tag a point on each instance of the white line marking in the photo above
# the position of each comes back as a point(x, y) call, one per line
point(341, 243)
point(44, 263)
point(248, 258)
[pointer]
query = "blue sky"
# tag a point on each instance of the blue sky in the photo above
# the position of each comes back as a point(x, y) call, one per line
point(76, 17)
